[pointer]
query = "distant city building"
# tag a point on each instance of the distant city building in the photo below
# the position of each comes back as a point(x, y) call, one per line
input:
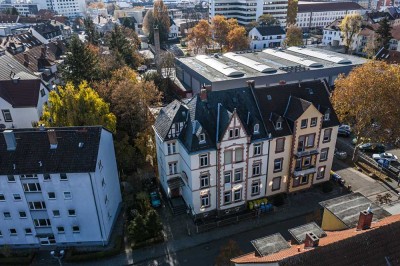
point(311, 15)
point(59, 187)
point(266, 37)
point(72, 8)
point(47, 32)
point(246, 11)
point(23, 9)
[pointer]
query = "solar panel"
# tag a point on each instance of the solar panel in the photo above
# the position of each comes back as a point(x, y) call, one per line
point(320, 55)
point(292, 58)
point(250, 63)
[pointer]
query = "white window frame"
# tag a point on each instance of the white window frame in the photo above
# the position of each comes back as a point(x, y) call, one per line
point(257, 149)
point(204, 180)
point(204, 160)
point(255, 188)
point(205, 199)
point(280, 162)
point(226, 174)
point(237, 192)
point(67, 195)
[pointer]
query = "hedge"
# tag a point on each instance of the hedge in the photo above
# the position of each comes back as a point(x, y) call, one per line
point(74, 256)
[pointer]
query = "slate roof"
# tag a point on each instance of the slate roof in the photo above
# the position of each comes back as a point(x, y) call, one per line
point(374, 246)
point(389, 56)
point(273, 102)
point(270, 30)
point(48, 30)
point(33, 146)
point(304, 7)
point(296, 107)
point(24, 93)
point(8, 64)
point(347, 208)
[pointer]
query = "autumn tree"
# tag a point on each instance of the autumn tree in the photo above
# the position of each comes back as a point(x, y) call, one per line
point(200, 35)
point(220, 29)
point(369, 100)
point(227, 252)
point(350, 27)
point(294, 36)
point(292, 12)
point(371, 47)
point(268, 20)
point(384, 33)
point(77, 106)
point(81, 63)
point(125, 43)
point(238, 39)
point(157, 17)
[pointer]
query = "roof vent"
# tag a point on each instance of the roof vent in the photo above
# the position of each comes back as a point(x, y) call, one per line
point(80, 145)
point(51, 133)
point(269, 97)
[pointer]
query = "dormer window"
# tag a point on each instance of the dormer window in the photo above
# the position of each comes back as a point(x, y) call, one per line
point(278, 125)
point(326, 116)
point(256, 128)
point(202, 138)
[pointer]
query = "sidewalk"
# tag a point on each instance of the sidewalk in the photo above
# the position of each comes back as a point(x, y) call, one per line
point(177, 238)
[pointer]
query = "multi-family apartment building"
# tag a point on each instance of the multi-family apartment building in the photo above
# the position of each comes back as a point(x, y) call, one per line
point(246, 11)
point(58, 186)
point(221, 149)
point(266, 37)
point(311, 15)
point(72, 8)
point(22, 94)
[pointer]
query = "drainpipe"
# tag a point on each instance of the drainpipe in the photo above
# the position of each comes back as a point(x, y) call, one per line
point(97, 210)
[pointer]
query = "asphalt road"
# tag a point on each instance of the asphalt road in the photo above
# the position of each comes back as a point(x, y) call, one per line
point(205, 255)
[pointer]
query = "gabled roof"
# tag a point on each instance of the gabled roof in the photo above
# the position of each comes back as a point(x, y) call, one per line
point(33, 154)
point(296, 107)
point(270, 30)
point(389, 56)
point(348, 207)
point(374, 246)
point(168, 115)
point(274, 100)
point(24, 93)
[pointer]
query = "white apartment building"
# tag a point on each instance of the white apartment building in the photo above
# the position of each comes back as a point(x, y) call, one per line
point(71, 8)
point(22, 94)
point(312, 15)
point(58, 186)
point(222, 149)
point(266, 37)
point(246, 11)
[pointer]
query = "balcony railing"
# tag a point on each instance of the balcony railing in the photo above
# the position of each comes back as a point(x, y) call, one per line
point(305, 171)
point(304, 153)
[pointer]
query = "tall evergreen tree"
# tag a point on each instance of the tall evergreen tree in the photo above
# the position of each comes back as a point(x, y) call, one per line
point(93, 35)
point(384, 32)
point(80, 64)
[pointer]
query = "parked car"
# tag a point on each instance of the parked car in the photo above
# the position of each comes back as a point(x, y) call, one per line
point(386, 156)
point(383, 163)
point(372, 147)
point(341, 155)
point(155, 199)
point(344, 130)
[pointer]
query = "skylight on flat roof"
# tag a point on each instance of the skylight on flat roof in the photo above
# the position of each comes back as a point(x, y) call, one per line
point(320, 55)
point(221, 67)
point(250, 63)
point(292, 58)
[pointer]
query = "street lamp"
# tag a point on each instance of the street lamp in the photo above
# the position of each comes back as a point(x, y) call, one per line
point(57, 255)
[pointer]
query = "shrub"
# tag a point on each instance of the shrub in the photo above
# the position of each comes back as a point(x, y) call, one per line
point(137, 229)
point(153, 224)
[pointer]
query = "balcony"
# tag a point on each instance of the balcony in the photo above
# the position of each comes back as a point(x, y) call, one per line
point(305, 171)
point(304, 153)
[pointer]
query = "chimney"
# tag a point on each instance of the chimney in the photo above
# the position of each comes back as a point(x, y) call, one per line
point(26, 58)
point(203, 95)
point(157, 46)
point(207, 87)
point(282, 82)
point(10, 140)
point(43, 54)
point(312, 240)
point(365, 220)
point(52, 139)
point(251, 84)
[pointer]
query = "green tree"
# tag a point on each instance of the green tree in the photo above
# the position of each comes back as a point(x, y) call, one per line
point(93, 35)
point(369, 99)
point(294, 36)
point(153, 223)
point(292, 12)
point(127, 22)
point(80, 64)
point(77, 106)
point(268, 20)
point(11, 11)
point(384, 33)
point(137, 229)
point(125, 43)
point(227, 252)
point(350, 27)
point(157, 17)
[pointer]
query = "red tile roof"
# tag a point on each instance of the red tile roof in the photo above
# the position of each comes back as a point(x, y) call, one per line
point(338, 248)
